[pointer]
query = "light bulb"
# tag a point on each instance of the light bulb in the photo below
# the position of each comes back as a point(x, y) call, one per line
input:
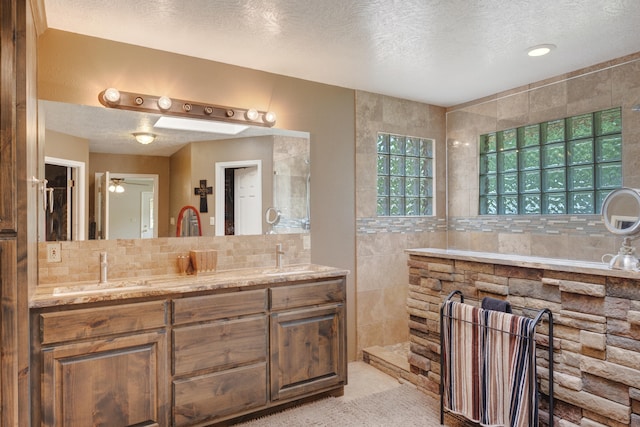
point(164, 102)
point(119, 189)
point(112, 188)
point(270, 117)
point(251, 114)
point(111, 96)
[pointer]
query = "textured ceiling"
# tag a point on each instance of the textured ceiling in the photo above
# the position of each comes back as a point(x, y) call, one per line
point(442, 52)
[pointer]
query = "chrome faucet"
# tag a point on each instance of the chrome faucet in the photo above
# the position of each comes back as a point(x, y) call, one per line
point(279, 254)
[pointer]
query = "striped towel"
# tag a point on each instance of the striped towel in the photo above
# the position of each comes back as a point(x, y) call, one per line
point(462, 360)
point(487, 365)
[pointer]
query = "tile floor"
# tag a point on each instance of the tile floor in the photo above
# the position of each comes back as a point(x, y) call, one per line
point(365, 380)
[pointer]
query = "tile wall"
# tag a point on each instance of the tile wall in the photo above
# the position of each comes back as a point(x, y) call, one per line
point(381, 276)
point(615, 83)
point(153, 257)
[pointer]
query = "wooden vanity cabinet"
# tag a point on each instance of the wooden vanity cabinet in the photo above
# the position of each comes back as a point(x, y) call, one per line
point(191, 359)
point(220, 351)
point(308, 338)
point(104, 366)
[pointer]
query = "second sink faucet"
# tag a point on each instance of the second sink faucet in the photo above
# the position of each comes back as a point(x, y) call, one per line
point(279, 254)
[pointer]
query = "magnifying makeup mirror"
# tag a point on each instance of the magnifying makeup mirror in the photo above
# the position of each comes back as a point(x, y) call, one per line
point(621, 216)
point(272, 217)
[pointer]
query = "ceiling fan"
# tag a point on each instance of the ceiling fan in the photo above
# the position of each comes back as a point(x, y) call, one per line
point(116, 185)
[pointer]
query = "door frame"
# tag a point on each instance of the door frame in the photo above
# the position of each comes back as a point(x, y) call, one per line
point(220, 168)
point(78, 199)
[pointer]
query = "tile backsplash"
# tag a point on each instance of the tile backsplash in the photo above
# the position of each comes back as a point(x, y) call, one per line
point(80, 261)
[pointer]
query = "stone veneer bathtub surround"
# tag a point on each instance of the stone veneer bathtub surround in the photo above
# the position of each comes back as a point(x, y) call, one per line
point(596, 326)
point(156, 257)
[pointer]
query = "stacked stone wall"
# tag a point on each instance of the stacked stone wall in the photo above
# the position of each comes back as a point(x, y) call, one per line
point(596, 332)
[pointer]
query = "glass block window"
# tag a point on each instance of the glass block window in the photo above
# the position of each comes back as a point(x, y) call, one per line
point(565, 166)
point(405, 176)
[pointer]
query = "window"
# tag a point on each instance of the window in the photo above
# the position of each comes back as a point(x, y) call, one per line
point(405, 176)
point(565, 166)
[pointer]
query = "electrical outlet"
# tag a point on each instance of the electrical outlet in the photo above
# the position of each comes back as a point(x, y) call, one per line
point(53, 252)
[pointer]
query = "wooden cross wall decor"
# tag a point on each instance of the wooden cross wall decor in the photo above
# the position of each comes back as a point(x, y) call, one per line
point(203, 191)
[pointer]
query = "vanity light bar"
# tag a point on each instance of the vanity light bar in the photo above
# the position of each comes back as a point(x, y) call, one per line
point(113, 98)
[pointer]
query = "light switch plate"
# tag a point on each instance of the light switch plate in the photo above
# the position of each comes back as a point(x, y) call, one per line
point(53, 252)
point(212, 220)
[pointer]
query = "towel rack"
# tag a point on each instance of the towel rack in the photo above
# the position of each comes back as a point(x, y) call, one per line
point(530, 342)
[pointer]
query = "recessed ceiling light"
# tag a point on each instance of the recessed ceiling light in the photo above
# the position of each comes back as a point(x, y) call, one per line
point(540, 50)
point(199, 125)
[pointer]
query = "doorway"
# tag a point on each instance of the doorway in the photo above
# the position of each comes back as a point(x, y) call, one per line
point(238, 198)
point(63, 202)
point(126, 205)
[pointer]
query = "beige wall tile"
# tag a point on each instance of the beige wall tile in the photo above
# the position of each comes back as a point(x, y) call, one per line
point(152, 257)
point(517, 243)
point(616, 83)
point(381, 261)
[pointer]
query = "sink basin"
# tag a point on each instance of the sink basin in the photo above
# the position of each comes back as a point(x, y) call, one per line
point(100, 287)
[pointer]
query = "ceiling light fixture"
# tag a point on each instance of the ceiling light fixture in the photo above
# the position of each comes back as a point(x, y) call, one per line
point(116, 186)
point(144, 137)
point(540, 50)
point(184, 108)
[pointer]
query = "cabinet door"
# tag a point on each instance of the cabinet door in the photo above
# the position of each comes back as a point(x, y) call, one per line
point(117, 382)
point(307, 351)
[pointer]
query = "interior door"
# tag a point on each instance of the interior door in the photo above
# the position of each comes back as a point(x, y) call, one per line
point(248, 201)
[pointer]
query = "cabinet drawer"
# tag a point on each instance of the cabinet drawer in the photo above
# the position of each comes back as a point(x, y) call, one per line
point(307, 294)
point(221, 344)
point(95, 322)
point(215, 396)
point(212, 307)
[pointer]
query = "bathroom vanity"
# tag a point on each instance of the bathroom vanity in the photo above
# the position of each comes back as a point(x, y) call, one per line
point(187, 350)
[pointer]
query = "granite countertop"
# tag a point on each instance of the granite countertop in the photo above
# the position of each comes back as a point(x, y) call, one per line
point(126, 288)
point(556, 264)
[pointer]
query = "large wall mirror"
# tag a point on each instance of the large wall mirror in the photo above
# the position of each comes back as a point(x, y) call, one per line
point(232, 179)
